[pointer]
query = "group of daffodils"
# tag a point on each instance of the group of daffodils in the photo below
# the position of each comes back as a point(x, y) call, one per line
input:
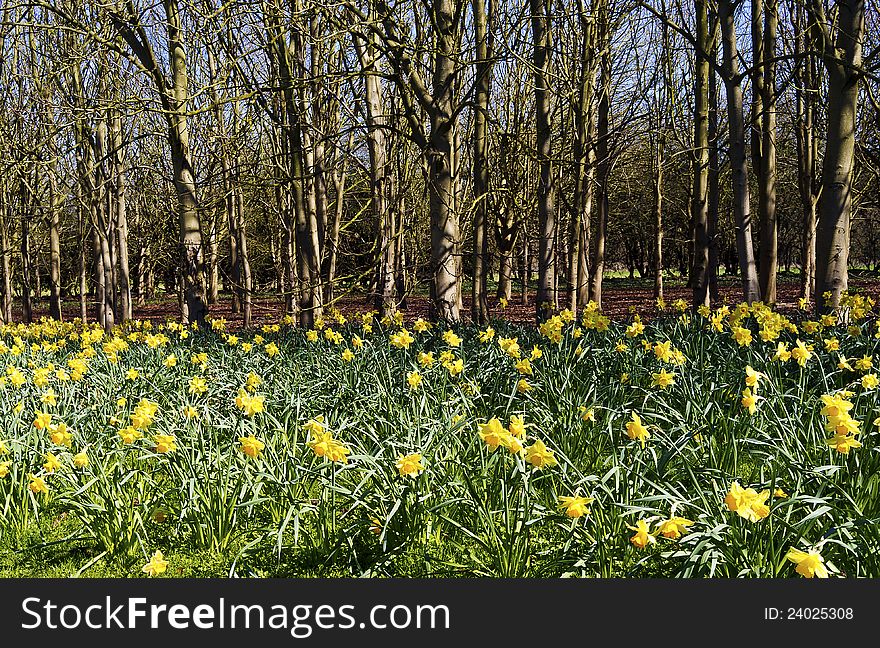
point(495, 435)
point(838, 420)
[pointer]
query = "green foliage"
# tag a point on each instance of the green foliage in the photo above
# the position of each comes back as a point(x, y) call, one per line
point(473, 511)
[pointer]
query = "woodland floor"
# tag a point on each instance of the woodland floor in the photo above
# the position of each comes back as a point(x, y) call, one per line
point(619, 296)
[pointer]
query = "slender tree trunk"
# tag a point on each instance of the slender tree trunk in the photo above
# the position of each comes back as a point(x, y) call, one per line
point(714, 166)
point(841, 61)
point(505, 275)
point(806, 90)
point(700, 169)
point(339, 182)
point(54, 206)
point(525, 272)
point(147, 285)
point(603, 152)
point(285, 253)
point(120, 217)
point(507, 223)
point(444, 224)
point(5, 254)
point(380, 180)
point(312, 233)
point(98, 274)
point(737, 151)
point(105, 290)
point(26, 260)
point(54, 248)
point(244, 261)
point(400, 263)
point(299, 249)
point(457, 201)
point(230, 197)
point(546, 301)
point(441, 159)
point(479, 296)
point(584, 159)
point(213, 262)
point(194, 303)
point(658, 219)
point(764, 82)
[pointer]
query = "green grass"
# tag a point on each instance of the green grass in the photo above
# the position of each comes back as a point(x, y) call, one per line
point(213, 511)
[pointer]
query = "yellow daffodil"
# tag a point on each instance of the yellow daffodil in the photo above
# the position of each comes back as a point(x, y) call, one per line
point(674, 527)
point(748, 503)
point(251, 446)
point(636, 430)
point(52, 463)
point(409, 465)
point(156, 566)
point(642, 537)
point(540, 456)
point(810, 564)
point(662, 379)
point(575, 506)
point(749, 400)
point(37, 485)
point(165, 443)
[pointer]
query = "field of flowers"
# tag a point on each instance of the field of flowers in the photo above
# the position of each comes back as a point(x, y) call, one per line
point(736, 442)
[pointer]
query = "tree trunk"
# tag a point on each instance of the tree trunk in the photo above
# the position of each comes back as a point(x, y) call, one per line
point(525, 272)
point(194, 305)
point(120, 217)
point(737, 151)
point(700, 169)
point(102, 227)
point(213, 273)
point(507, 223)
point(55, 203)
point(379, 177)
point(244, 261)
point(714, 166)
point(400, 272)
point(832, 235)
point(5, 254)
point(56, 200)
point(339, 182)
point(546, 301)
point(764, 87)
point(806, 90)
point(479, 296)
point(441, 156)
point(584, 161)
point(26, 260)
point(603, 169)
point(658, 220)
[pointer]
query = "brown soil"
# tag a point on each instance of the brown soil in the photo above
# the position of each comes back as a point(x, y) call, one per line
point(618, 300)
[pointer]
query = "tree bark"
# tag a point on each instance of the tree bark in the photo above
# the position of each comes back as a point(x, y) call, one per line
point(479, 296)
point(603, 154)
point(700, 161)
point(584, 162)
point(120, 216)
point(25, 248)
point(714, 165)
point(195, 306)
point(5, 254)
point(380, 179)
point(764, 84)
point(841, 62)
point(546, 301)
point(806, 91)
point(737, 152)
